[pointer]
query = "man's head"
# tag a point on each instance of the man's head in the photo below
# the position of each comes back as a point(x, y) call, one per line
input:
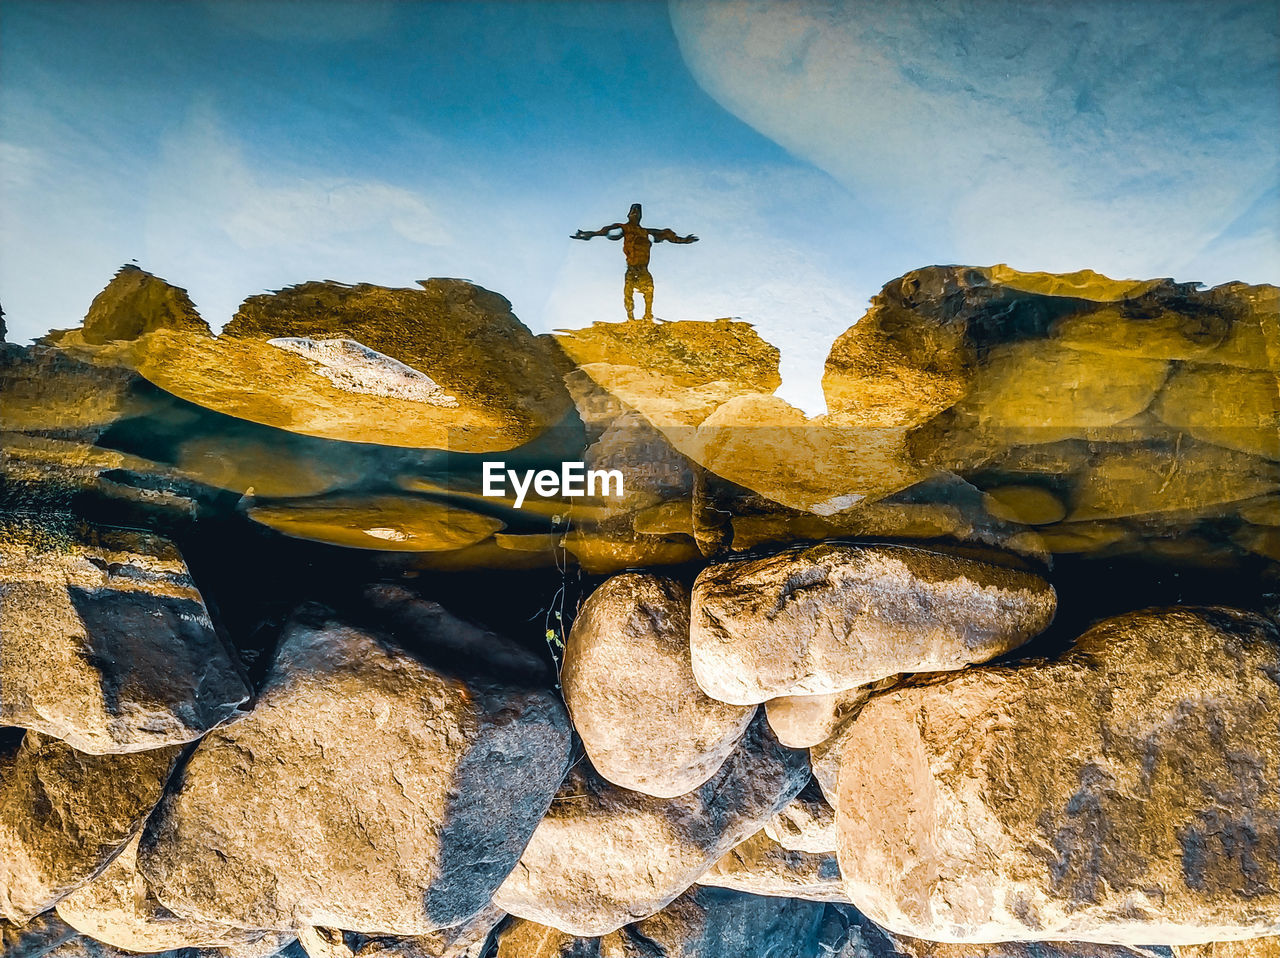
point(634, 215)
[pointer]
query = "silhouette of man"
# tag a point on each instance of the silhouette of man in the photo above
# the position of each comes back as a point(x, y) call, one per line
point(635, 247)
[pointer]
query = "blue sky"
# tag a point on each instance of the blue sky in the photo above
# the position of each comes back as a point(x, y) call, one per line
point(819, 149)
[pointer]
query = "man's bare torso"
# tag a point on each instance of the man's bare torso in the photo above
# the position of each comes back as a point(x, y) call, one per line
point(636, 245)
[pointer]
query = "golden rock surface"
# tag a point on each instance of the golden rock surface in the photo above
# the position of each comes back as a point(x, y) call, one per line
point(385, 523)
point(605, 856)
point(65, 814)
point(118, 908)
point(762, 866)
point(628, 682)
point(1112, 795)
point(832, 617)
point(368, 790)
point(106, 643)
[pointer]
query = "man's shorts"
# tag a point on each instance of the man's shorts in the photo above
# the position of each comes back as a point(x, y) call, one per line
point(638, 277)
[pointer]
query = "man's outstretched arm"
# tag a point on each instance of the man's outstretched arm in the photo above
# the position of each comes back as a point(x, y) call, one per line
point(669, 236)
point(603, 231)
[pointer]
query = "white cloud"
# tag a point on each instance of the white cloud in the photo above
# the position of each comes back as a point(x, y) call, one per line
point(1122, 137)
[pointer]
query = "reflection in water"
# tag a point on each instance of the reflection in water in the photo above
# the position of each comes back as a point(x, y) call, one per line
point(636, 246)
point(1042, 415)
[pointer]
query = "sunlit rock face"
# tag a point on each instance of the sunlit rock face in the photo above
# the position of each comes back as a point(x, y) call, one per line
point(605, 856)
point(65, 814)
point(831, 617)
point(499, 386)
point(467, 940)
point(1154, 820)
point(702, 923)
point(106, 643)
point(368, 790)
point(628, 681)
point(761, 866)
point(118, 908)
point(1248, 948)
point(805, 824)
point(134, 303)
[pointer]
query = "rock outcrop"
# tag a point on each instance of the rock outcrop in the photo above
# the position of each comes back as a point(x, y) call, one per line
point(834, 617)
point(65, 814)
point(628, 681)
point(368, 790)
point(702, 923)
point(118, 908)
point(106, 643)
point(1154, 821)
point(605, 856)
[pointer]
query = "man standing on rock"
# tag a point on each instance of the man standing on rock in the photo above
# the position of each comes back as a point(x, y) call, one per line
point(636, 246)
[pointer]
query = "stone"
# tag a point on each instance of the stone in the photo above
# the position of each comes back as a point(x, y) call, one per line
point(106, 643)
point(506, 382)
point(1155, 820)
point(385, 523)
point(375, 788)
point(44, 389)
point(118, 908)
point(37, 937)
point(83, 946)
point(831, 617)
point(718, 923)
point(805, 824)
point(467, 940)
point(802, 721)
point(652, 470)
point(606, 550)
point(1236, 408)
point(702, 923)
point(1031, 505)
point(1190, 478)
point(136, 302)
point(65, 814)
point(919, 948)
point(605, 856)
point(361, 364)
point(628, 682)
point(761, 866)
point(1248, 948)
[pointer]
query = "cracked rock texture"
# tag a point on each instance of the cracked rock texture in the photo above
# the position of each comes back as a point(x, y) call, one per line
point(368, 790)
point(106, 643)
point(1156, 819)
point(628, 681)
point(117, 908)
point(606, 856)
point(65, 814)
point(762, 866)
point(831, 617)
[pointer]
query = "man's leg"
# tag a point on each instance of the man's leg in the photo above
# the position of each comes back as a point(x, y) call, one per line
point(628, 295)
point(646, 287)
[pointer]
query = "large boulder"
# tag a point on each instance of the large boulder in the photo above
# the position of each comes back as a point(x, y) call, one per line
point(118, 908)
point(831, 617)
point(106, 643)
point(65, 814)
point(376, 788)
point(628, 681)
point(605, 856)
point(1127, 792)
